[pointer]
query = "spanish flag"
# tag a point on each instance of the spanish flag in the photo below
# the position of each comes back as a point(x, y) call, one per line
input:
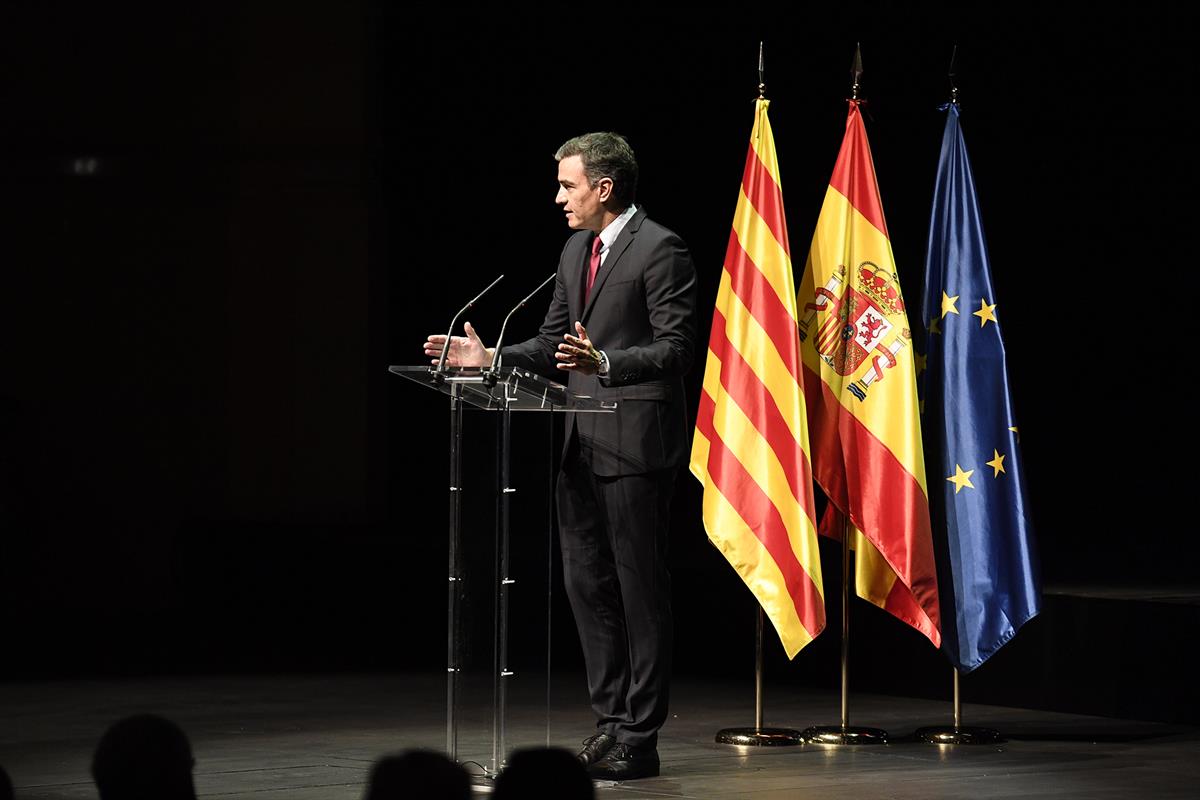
point(860, 386)
point(751, 445)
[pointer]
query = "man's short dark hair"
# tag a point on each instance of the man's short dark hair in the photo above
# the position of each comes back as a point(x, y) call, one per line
point(144, 756)
point(418, 773)
point(605, 155)
point(542, 772)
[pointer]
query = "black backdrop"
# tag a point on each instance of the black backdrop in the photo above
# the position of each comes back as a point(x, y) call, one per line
point(221, 226)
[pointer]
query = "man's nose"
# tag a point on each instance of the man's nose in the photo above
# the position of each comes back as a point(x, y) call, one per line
point(561, 197)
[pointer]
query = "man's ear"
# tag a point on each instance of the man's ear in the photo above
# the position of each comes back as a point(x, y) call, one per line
point(604, 188)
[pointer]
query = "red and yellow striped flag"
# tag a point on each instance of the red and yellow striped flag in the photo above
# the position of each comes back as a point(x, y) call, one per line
point(860, 384)
point(751, 445)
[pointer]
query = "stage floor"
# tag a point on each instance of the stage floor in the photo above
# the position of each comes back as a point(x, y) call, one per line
point(308, 737)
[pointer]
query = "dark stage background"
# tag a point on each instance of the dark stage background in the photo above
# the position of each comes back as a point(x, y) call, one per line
point(221, 226)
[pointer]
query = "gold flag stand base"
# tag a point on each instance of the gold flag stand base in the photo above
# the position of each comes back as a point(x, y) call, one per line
point(844, 734)
point(759, 737)
point(946, 734)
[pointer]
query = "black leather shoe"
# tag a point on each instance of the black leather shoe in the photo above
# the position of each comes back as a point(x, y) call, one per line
point(594, 748)
point(626, 763)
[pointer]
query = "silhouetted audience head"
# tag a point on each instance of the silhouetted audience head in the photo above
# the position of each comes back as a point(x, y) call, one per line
point(144, 757)
point(6, 790)
point(544, 774)
point(418, 775)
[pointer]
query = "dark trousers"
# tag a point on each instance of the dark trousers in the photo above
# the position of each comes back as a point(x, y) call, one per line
point(613, 533)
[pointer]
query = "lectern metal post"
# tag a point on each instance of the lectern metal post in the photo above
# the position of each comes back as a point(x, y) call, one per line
point(454, 601)
point(503, 581)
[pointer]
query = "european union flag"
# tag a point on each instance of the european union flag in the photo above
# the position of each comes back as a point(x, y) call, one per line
point(987, 565)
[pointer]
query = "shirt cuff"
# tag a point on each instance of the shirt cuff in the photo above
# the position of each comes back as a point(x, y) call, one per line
point(603, 371)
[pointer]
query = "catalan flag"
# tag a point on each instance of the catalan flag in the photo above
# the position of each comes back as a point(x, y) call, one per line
point(988, 565)
point(751, 445)
point(860, 385)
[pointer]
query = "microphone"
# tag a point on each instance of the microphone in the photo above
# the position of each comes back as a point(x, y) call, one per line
point(489, 377)
point(439, 371)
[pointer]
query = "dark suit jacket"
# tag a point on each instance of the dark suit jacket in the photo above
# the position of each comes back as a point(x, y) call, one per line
point(642, 313)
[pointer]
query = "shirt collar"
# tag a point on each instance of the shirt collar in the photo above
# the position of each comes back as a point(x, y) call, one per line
point(609, 234)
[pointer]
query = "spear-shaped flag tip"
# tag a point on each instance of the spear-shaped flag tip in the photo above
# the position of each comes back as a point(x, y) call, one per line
point(856, 68)
point(762, 86)
point(952, 74)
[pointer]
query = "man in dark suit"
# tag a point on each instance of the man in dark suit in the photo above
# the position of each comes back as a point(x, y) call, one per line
point(622, 325)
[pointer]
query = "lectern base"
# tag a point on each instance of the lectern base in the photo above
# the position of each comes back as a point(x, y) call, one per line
point(482, 783)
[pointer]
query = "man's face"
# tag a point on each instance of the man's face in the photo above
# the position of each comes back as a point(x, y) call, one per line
point(583, 204)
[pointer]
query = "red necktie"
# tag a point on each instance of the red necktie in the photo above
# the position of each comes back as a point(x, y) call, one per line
point(593, 266)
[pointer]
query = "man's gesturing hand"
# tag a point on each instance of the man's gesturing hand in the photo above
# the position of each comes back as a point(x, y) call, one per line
point(576, 353)
point(465, 351)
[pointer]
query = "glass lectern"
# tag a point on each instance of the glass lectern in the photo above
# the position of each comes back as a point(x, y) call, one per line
point(503, 390)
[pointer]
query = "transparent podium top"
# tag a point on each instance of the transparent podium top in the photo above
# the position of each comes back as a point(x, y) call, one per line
point(511, 387)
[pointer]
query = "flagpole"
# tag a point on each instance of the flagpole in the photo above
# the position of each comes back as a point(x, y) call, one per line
point(957, 699)
point(758, 736)
point(846, 624)
point(846, 733)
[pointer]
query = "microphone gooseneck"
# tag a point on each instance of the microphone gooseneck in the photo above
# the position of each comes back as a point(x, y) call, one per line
point(439, 371)
point(490, 376)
